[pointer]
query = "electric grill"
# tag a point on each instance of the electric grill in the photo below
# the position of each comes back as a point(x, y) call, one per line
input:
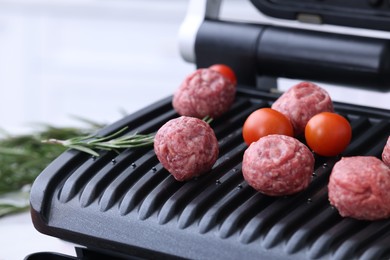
point(127, 206)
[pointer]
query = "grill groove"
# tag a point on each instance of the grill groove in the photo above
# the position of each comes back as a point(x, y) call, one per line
point(156, 197)
point(222, 209)
point(81, 176)
point(116, 189)
point(98, 183)
point(209, 193)
point(378, 248)
point(243, 213)
point(293, 221)
point(143, 186)
point(363, 140)
point(221, 192)
point(310, 230)
point(332, 239)
point(369, 232)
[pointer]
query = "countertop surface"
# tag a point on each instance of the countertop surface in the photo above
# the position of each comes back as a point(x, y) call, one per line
point(95, 59)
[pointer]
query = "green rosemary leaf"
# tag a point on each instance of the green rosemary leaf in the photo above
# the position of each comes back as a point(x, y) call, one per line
point(15, 201)
point(84, 149)
point(23, 157)
point(11, 151)
point(6, 209)
point(208, 119)
point(109, 137)
point(115, 141)
point(107, 146)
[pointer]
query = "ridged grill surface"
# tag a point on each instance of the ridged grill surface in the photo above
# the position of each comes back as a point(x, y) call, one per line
point(129, 203)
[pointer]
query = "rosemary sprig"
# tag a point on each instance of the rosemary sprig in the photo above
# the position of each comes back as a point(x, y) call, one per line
point(24, 157)
point(6, 209)
point(91, 143)
point(15, 201)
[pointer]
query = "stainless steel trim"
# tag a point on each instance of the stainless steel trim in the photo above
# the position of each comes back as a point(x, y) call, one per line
point(198, 10)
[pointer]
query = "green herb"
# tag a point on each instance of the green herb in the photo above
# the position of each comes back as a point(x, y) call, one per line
point(24, 157)
point(6, 209)
point(91, 143)
point(14, 202)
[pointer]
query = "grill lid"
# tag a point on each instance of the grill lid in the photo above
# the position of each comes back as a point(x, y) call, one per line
point(272, 51)
point(264, 50)
point(128, 204)
point(371, 14)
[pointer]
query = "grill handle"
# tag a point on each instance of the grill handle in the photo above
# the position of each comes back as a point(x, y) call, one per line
point(254, 50)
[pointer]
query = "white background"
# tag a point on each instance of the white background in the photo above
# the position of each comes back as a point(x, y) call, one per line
point(96, 59)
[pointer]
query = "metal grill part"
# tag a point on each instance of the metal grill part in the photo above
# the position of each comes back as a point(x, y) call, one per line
point(128, 204)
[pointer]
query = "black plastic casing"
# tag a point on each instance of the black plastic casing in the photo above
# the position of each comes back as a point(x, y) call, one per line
point(260, 50)
point(369, 14)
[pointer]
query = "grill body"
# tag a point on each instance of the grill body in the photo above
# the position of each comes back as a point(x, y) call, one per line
point(127, 205)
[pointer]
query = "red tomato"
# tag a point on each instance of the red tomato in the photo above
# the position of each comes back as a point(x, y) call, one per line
point(265, 121)
point(226, 71)
point(328, 134)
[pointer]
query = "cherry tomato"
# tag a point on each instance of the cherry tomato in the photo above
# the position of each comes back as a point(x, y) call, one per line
point(328, 134)
point(265, 121)
point(226, 71)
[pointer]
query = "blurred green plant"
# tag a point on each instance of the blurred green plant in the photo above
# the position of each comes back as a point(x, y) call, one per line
point(24, 157)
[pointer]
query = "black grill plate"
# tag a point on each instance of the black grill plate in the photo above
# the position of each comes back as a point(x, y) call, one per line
point(128, 204)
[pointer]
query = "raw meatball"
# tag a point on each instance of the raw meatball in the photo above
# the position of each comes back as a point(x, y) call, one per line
point(386, 153)
point(205, 92)
point(301, 102)
point(186, 147)
point(359, 188)
point(278, 165)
